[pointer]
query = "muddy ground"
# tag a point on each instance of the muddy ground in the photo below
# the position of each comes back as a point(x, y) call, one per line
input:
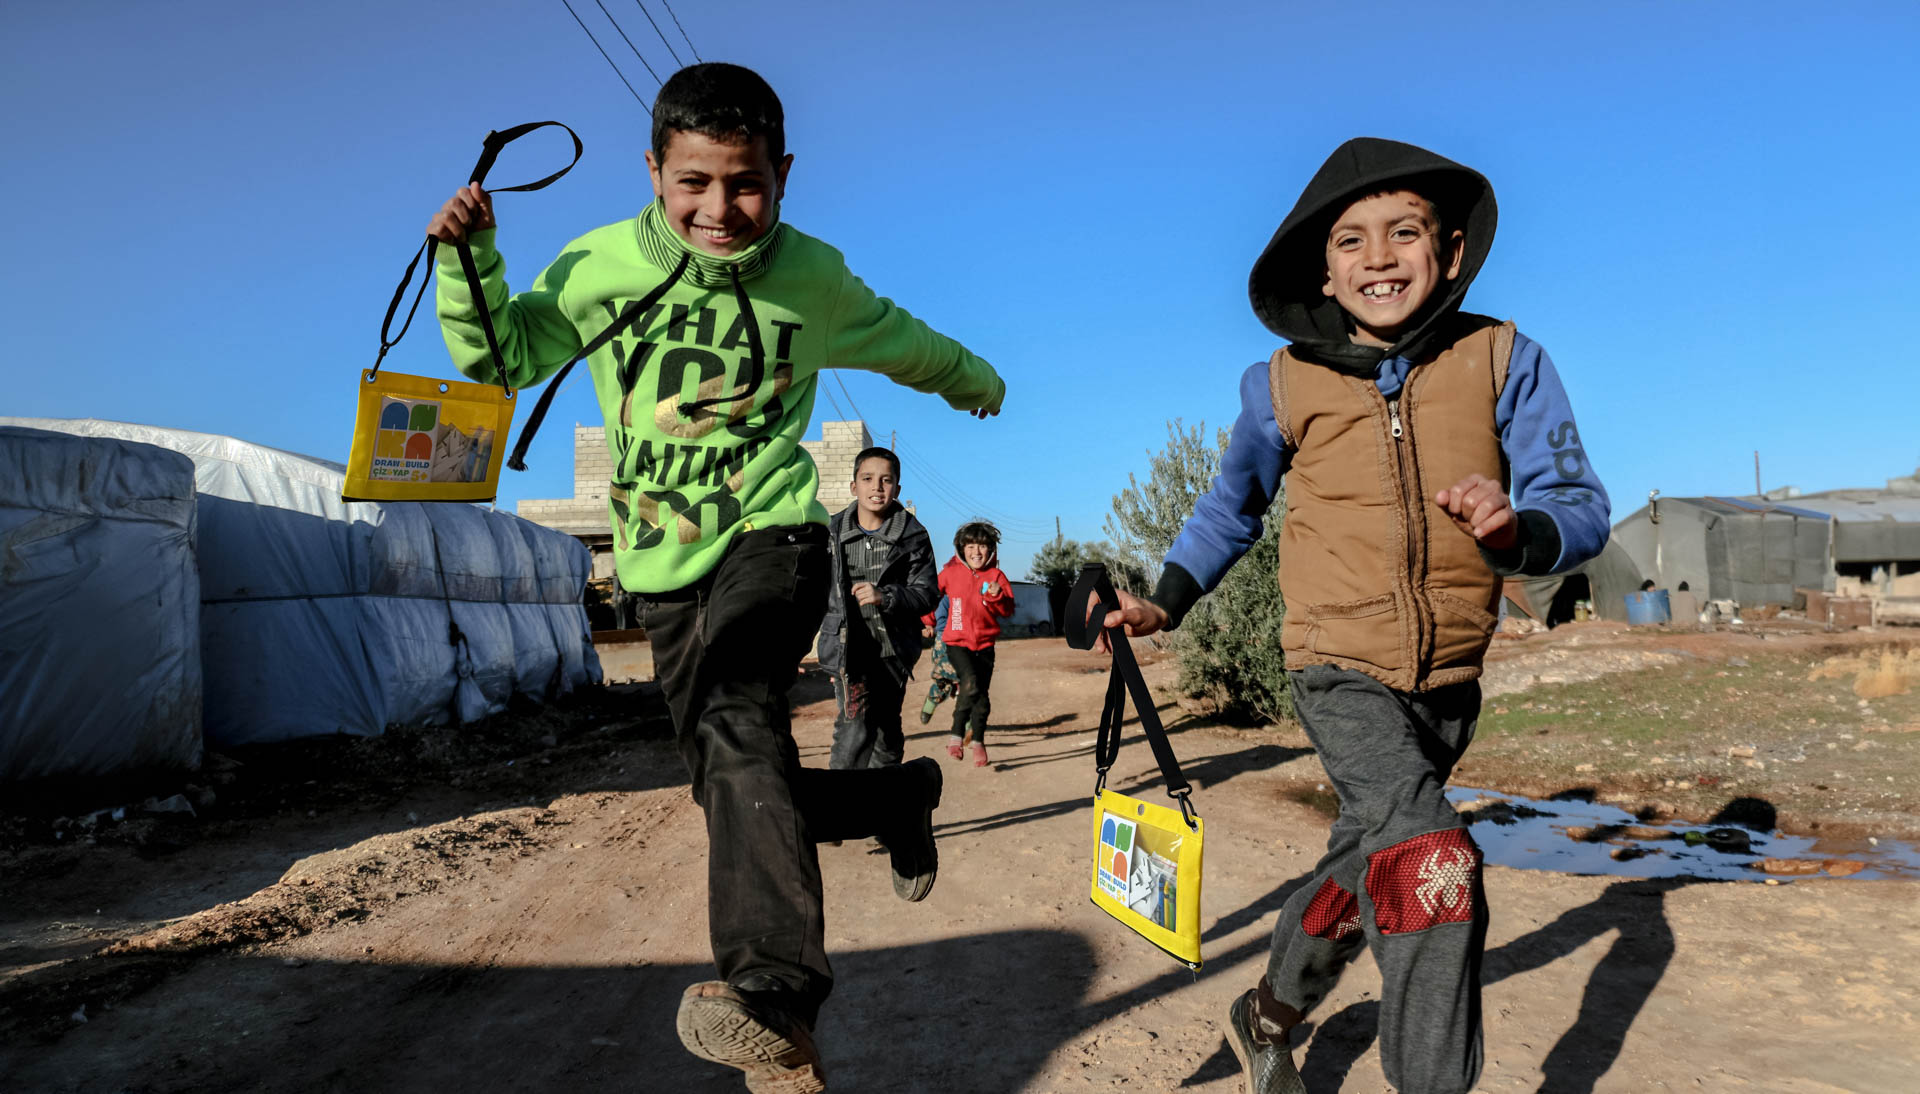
point(515, 907)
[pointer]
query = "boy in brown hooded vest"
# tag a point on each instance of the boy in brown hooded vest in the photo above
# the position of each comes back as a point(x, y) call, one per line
point(1427, 453)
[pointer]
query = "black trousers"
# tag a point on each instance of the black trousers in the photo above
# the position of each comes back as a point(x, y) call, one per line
point(726, 650)
point(970, 709)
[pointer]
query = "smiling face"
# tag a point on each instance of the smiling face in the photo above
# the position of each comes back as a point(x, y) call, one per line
point(978, 556)
point(1385, 259)
point(874, 486)
point(719, 195)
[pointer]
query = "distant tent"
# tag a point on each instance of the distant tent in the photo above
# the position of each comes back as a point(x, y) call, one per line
point(1603, 582)
point(1760, 551)
point(1032, 615)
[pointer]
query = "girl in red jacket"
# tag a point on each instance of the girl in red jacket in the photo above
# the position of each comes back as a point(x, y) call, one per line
point(978, 595)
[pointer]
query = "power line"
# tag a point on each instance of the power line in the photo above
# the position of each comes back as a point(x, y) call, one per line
point(822, 388)
point(683, 30)
point(610, 64)
point(848, 394)
point(629, 42)
point(961, 506)
point(983, 510)
point(961, 499)
point(663, 37)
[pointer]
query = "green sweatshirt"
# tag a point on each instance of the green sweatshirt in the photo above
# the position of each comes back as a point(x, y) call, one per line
point(705, 436)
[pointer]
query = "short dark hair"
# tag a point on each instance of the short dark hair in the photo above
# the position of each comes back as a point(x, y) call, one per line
point(877, 453)
point(977, 531)
point(722, 101)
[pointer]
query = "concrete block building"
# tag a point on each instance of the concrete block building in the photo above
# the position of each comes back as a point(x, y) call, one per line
point(833, 454)
point(584, 515)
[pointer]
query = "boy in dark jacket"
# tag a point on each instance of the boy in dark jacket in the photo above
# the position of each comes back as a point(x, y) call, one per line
point(1401, 424)
point(978, 597)
point(883, 582)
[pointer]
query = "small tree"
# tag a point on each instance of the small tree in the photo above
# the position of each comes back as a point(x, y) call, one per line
point(1229, 644)
point(1059, 562)
point(1056, 561)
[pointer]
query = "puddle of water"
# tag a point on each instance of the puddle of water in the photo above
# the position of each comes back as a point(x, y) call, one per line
point(1580, 837)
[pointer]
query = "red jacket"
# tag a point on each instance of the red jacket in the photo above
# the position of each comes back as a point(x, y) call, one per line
point(973, 620)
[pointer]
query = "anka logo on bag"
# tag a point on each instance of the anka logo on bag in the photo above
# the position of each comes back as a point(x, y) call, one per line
point(430, 440)
point(1116, 854)
point(1135, 875)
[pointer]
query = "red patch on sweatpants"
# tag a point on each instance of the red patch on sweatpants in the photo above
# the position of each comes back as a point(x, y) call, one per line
point(1332, 914)
point(1424, 881)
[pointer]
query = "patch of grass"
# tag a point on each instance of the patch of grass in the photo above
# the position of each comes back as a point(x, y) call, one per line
point(1768, 695)
point(1780, 727)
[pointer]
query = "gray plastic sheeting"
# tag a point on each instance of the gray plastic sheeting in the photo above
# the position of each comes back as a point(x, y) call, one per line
point(320, 616)
point(99, 607)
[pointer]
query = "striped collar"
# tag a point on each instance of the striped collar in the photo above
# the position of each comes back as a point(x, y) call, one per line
point(663, 247)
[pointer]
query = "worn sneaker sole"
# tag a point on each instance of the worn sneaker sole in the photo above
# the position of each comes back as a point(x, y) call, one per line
point(912, 883)
point(1267, 1069)
point(715, 1023)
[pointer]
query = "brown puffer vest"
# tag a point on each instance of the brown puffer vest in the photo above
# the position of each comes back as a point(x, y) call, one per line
point(1375, 576)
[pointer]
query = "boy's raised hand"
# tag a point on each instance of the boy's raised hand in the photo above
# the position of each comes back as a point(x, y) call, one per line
point(469, 210)
point(866, 594)
point(1479, 507)
point(1139, 616)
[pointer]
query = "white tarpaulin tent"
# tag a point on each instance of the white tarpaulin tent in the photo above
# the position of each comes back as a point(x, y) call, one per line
point(99, 607)
point(320, 616)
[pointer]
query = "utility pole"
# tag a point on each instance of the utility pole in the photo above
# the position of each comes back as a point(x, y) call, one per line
point(1056, 526)
point(1756, 474)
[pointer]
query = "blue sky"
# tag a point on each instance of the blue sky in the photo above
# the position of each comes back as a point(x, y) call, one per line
point(1706, 209)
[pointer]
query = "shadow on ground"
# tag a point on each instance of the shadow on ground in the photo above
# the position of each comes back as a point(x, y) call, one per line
point(1621, 983)
point(373, 1028)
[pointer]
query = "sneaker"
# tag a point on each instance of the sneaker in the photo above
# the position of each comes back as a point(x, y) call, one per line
point(774, 1050)
point(979, 754)
point(1267, 1065)
point(915, 859)
point(954, 745)
point(927, 708)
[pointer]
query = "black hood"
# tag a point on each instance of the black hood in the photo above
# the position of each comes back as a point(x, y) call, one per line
point(1287, 279)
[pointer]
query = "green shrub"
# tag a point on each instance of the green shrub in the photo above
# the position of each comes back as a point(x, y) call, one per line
point(1229, 644)
point(1059, 562)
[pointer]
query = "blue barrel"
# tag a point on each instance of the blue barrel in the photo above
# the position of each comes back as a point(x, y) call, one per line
point(1650, 606)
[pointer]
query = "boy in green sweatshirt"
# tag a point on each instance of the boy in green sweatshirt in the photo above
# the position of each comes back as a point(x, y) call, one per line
point(706, 395)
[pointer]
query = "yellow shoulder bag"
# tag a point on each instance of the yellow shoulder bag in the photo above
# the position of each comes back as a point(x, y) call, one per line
point(1146, 857)
point(420, 439)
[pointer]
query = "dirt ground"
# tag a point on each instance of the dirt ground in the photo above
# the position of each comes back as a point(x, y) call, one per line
point(516, 907)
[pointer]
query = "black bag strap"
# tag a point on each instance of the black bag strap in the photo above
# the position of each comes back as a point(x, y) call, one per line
point(1125, 677)
point(489, 151)
point(627, 317)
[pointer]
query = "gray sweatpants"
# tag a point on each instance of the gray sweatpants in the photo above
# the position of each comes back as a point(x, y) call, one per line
point(1400, 873)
